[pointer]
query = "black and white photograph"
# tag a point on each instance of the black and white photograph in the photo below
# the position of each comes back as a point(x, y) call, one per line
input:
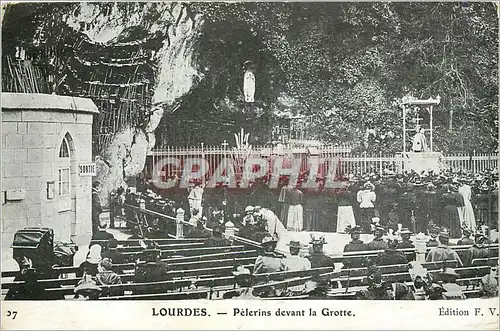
point(250, 151)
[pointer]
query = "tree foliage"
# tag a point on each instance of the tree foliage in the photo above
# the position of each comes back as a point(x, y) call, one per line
point(348, 64)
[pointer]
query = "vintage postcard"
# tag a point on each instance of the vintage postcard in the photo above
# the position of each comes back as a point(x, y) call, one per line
point(249, 165)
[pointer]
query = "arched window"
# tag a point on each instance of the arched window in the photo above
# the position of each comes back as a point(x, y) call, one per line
point(64, 149)
point(64, 174)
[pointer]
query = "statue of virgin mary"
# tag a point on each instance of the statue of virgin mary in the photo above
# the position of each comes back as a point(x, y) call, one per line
point(249, 82)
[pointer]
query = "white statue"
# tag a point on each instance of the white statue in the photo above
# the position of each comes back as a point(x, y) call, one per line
point(249, 82)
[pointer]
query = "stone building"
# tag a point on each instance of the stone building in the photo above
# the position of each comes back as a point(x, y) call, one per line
point(47, 165)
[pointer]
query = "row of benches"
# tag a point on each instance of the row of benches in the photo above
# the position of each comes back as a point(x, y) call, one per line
point(217, 276)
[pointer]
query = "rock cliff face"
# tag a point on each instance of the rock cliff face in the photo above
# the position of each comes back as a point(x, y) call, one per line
point(173, 57)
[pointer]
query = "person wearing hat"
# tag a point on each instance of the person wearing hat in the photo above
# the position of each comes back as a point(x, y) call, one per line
point(442, 252)
point(260, 231)
point(468, 217)
point(295, 216)
point(89, 266)
point(345, 213)
point(430, 205)
point(478, 250)
point(195, 216)
point(102, 235)
point(112, 253)
point(450, 216)
point(195, 197)
point(433, 233)
point(378, 242)
point(466, 239)
point(406, 243)
point(249, 217)
point(355, 245)
point(294, 262)
point(249, 226)
point(199, 231)
point(407, 207)
point(482, 205)
point(268, 261)
point(153, 270)
point(96, 206)
point(366, 197)
point(489, 284)
point(448, 279)
point(318, 258)
point(244, 281)
point(30, 288)
point(391, 255)
point(217, 239)
point(377, 288)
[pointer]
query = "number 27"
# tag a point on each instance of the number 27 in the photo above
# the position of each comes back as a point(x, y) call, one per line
point(12, 313)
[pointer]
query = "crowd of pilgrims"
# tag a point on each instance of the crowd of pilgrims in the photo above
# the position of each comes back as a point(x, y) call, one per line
point(447, 199)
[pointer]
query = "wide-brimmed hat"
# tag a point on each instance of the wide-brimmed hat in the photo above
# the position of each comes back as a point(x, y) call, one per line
point(295, 244)
point(380, 228)
point(317, 241)
point(352, 229)
point(268, 240)
point(405, 231)
point(257, 208)
point(249, 209)
point(445, 233)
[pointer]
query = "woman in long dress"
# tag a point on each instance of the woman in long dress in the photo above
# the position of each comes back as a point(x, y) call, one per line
point(468, 216)
point(449, 215)
point(345, 214)
point(295, 211)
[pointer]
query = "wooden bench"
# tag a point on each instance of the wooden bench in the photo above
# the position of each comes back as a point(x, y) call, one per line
point(491, 261)
point(371, 255)
point(175, 284)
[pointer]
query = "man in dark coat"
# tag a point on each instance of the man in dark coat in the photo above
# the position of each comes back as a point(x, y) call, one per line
point(96, 206)
point(377, 288)
point(318, 258)
point(112, 253)
point(154, 270)
point(260, 231)
point(466, 239)
point(102, 234)
point(30, 289)
point(390, 255)
point(433, 232)
point(378, 242)
point(217, 240)
point(355, 245)
point(406, 243)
